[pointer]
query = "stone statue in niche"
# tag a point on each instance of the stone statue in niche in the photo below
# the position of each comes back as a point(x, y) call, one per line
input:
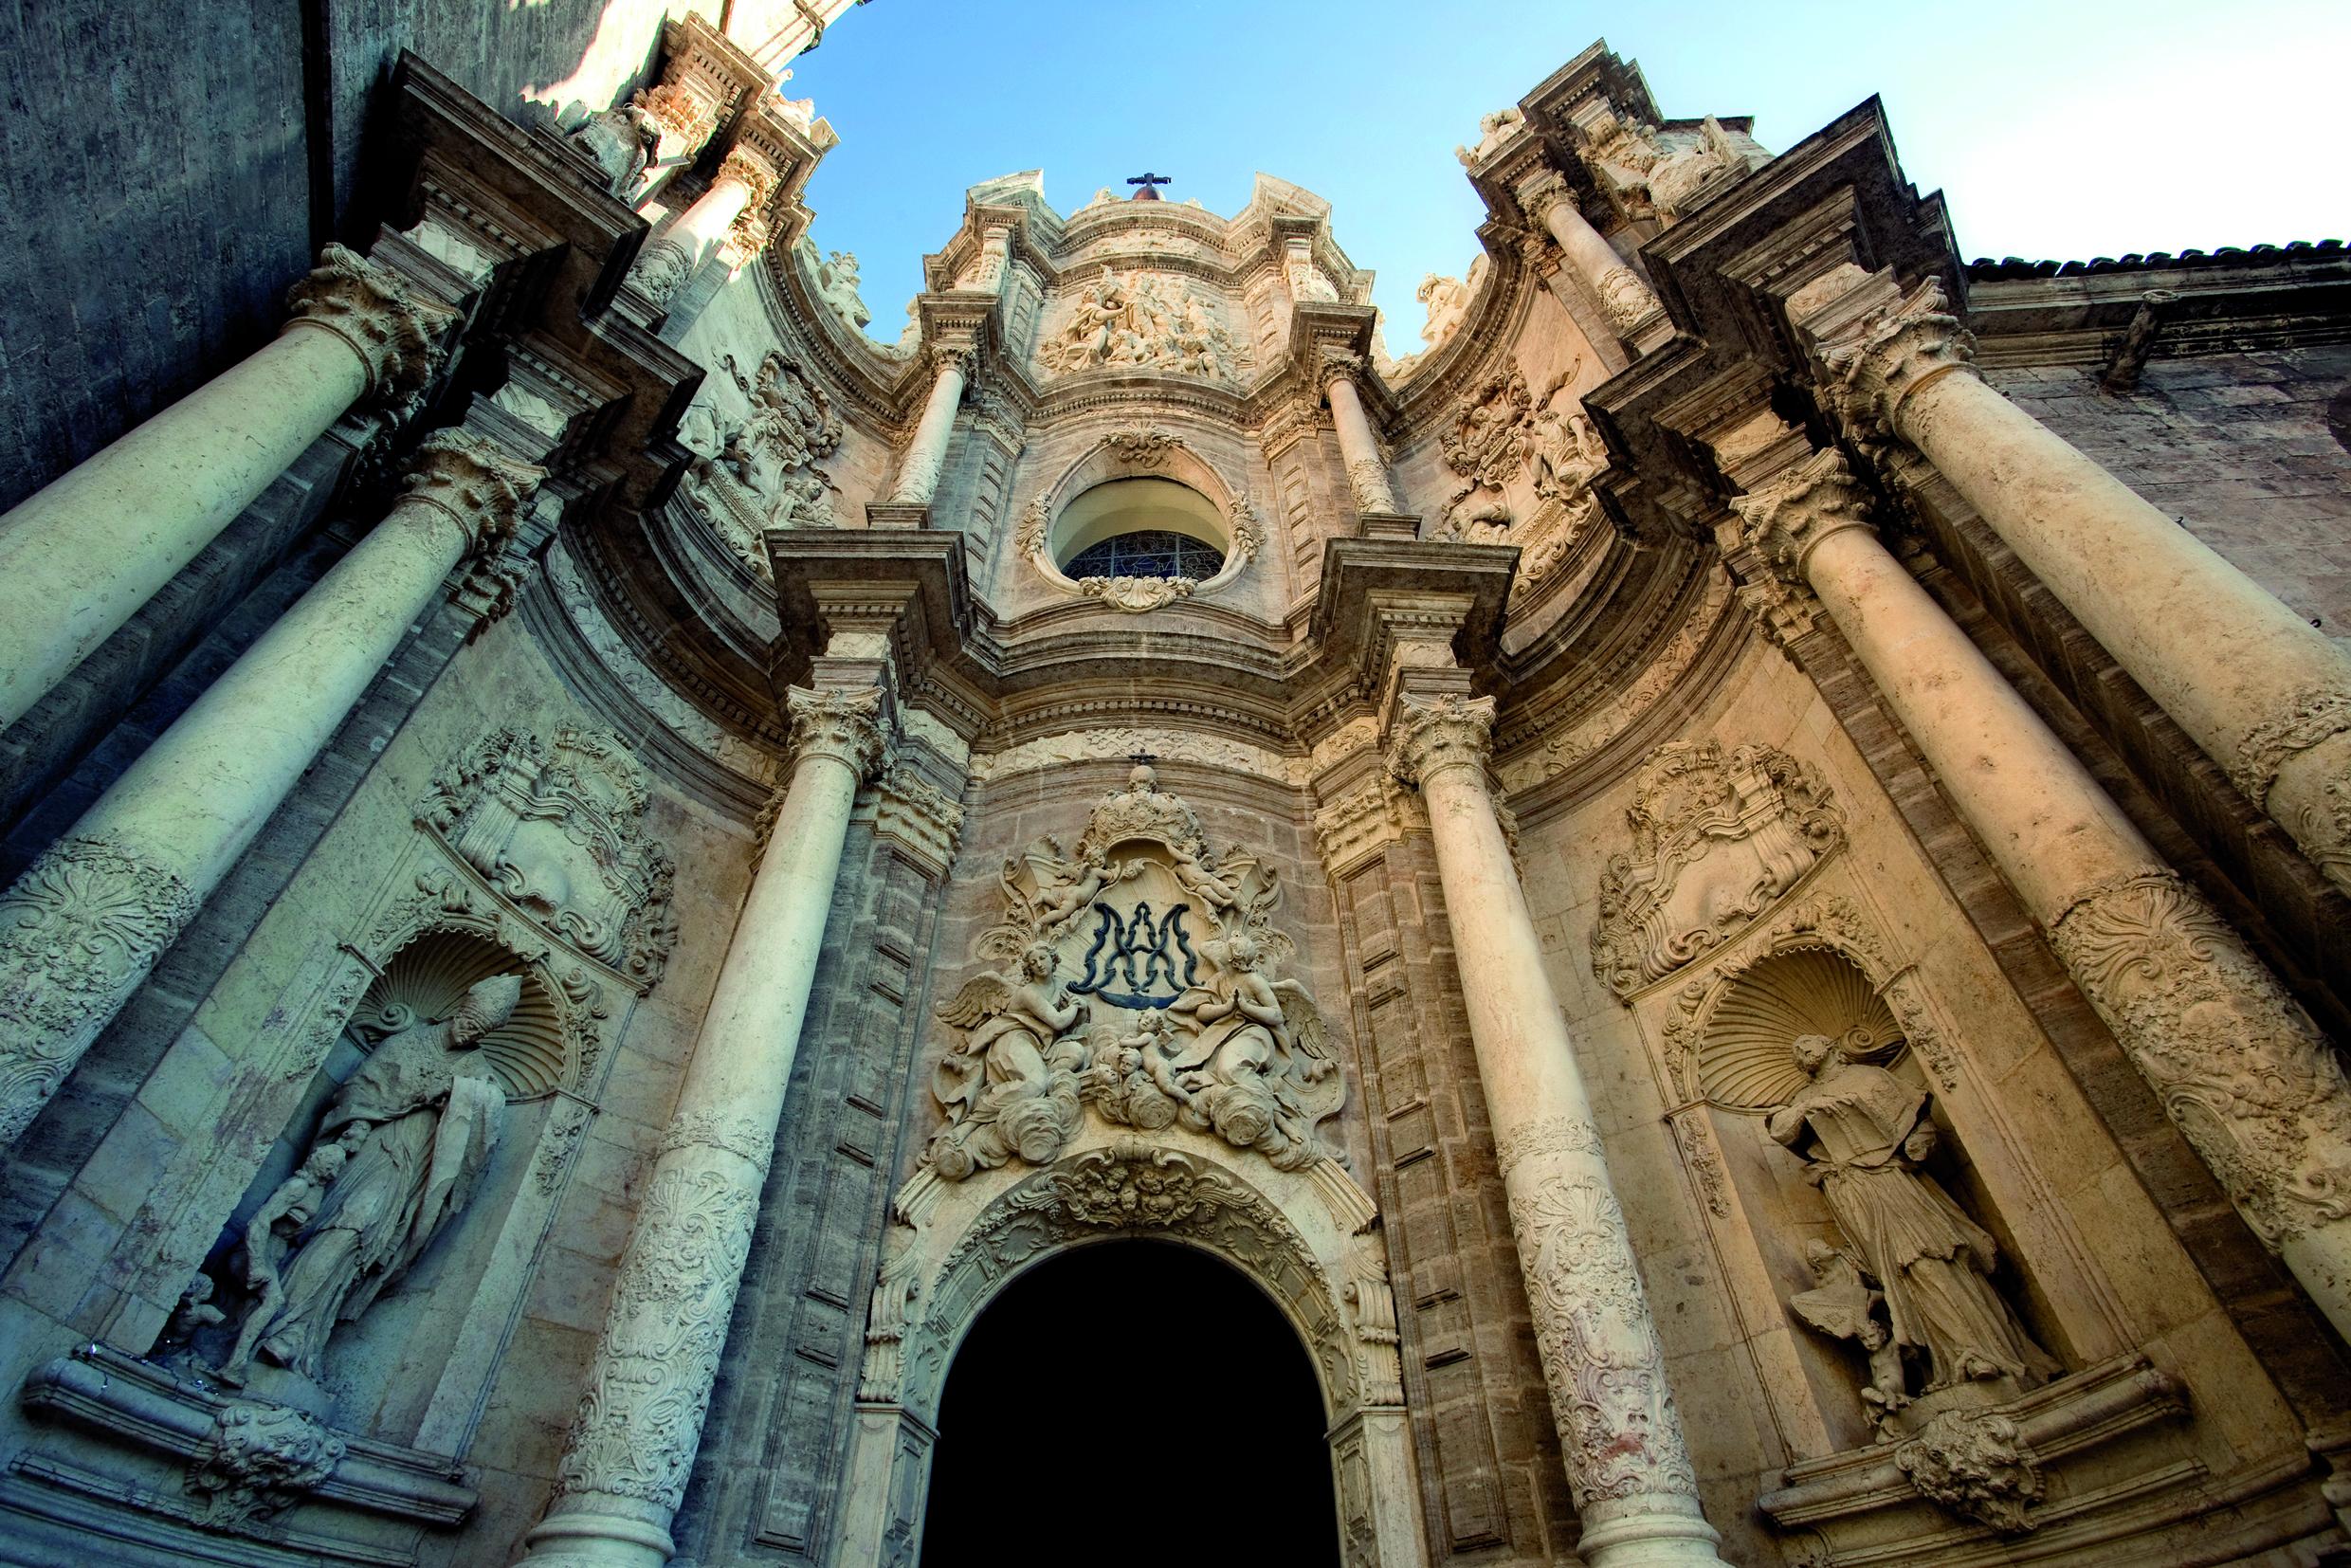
point(1660, 174)
point(402, 1145)
point(1148, 991)
point(623, 140)
point(1913, 1254)
point(559, 830)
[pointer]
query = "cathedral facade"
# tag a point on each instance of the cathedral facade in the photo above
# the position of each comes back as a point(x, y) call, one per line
point(1723, 888)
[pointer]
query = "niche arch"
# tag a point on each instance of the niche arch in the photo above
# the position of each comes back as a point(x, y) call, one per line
point(1307, 1239)
point(1165, 480)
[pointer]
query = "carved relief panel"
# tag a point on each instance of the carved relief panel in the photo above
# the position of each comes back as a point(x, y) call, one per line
point(1142, 320)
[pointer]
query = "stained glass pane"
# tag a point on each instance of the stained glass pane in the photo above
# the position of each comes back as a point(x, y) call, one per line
point(1147, 552)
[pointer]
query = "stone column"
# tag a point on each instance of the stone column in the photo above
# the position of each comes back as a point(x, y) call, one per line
point(744, 185)
point(77, 558)
point(1367, 476)
point(2242, 1070)
point(1620, 1433)
point(2267, 695)
point(1623, 297)
point(624, 1466)
point(87, 921)
point(919, 470)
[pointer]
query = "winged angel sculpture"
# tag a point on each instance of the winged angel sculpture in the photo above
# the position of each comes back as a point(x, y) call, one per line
point(1175, 1011)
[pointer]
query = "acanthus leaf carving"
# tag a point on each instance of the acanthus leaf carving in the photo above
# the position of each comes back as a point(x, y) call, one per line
point(1976, 1465)
point(1764, 818)
point(2238, 1066)
point(257, 1461)
point(395, 333)
point(558, 829)
point(79, 930)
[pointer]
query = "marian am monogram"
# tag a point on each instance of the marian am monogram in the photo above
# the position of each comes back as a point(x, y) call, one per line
point(1175, 1012)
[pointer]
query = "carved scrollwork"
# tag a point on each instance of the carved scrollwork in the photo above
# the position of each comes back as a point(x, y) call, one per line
point(1719, 838)
point(1146, 989)
point(79, 930)
point(2238, 1065)
point(649, 1387)
point(2310, 718)
point(257, 1461)
point(844, 724)
point(1136, 596)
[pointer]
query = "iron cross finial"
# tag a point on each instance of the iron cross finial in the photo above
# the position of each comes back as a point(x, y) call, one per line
point(1147, 180)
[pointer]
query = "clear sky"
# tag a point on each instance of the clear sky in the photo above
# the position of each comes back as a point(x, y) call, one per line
point(2059, 129)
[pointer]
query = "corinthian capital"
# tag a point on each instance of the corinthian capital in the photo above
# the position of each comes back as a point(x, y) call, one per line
point(1340, 365)
point(1882, 357)
point(394, 334)
point(1432, 734)
point(749, 169)
point(1787, 519)
point(918, 817)
point(842, 724)
point(473, 484)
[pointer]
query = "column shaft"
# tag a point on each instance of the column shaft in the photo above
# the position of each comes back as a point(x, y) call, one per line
point(2239, 1068)
point(1367, 476)
point(743, 182)
point(624, 1466)
point(926, 455)
point(84, 924)
point(2263, 693)
point(79, 557)
point(1621, 1437)
point(1622, 295)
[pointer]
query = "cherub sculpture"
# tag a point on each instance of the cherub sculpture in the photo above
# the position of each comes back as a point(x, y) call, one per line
point(1011, 1085)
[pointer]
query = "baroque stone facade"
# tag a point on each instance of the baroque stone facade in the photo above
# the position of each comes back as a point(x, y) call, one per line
point(1725, 892)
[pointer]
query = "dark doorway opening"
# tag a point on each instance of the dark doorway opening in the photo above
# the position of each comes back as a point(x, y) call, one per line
point(1136, 1403)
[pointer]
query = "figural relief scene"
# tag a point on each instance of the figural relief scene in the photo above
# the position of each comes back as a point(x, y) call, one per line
point(1688, 911)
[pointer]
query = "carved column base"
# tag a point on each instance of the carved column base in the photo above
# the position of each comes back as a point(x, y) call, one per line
point(2239, 1068)
point(1630, 304)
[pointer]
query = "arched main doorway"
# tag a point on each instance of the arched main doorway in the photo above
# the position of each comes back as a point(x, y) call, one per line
point(1136, 1402)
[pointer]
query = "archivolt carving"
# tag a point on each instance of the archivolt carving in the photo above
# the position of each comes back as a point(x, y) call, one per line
point(1761, 817)
point(1145, 988)
point(1127, 1187)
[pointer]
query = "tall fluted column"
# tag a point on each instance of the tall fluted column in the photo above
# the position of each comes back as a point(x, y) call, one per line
point(87, 921)
point(640, 1421)
point(77, 558)
point(744, 183)
point(1626, 300)
point(1367, 476)
point(1621, 1437)
point(917, 474)
point(2267, 695)
point(2247, 1078)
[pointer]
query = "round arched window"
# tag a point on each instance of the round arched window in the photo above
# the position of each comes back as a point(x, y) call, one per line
point(1141, 528)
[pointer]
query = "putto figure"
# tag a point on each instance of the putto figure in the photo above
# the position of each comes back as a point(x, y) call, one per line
point(1865, 1133)
point(403, 1145)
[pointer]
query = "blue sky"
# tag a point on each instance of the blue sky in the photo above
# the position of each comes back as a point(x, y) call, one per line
point(2059, 129)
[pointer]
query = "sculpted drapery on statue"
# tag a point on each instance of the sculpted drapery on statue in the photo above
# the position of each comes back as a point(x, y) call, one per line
point(1142, 991)
point(403, 1144)
point(1864, 1133)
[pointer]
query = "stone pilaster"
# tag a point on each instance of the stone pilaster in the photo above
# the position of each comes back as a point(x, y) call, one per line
point(1626, 1460)
point(2265, 694)
point(77, 558)
point(624, 1466)
point(2251, 1083)
point(84, 924)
